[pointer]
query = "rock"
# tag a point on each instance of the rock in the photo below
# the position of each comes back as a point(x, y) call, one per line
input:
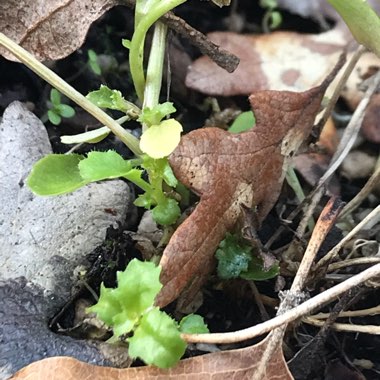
point(45, 238)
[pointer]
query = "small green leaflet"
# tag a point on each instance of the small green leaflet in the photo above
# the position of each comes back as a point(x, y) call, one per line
point(62, 173)
point(244, 122)
point(56, 174)
point(153, 116)
point(157, 340)
point(166, 212)
point(91, 136)
point(193, 324)
point(111, 99)
point(235, 259)
point(55, 97)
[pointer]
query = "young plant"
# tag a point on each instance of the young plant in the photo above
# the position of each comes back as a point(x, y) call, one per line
point(57, 110)
point(129, 309)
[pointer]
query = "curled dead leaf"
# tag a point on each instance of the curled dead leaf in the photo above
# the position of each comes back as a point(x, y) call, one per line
point(49, 29)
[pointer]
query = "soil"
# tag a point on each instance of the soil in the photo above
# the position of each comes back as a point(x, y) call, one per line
point(225, 306)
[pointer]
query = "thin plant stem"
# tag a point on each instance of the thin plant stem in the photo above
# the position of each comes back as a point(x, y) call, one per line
point(136, 55)
point(52, 78)
point(155, 67)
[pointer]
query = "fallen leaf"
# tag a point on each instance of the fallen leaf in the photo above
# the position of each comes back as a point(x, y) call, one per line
point(279, 60)
point(227, 170)
point(49, 29)
point(223, 365)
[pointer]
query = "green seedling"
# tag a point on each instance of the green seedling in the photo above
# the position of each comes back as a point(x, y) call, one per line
point(272, 18)
point(58, 110)
point(236, 259)
point(93, 62)
point(129, 309)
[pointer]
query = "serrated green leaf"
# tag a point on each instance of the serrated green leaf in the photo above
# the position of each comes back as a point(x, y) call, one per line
point(56, 174)
point(166, 212)
point(256, 271)
point(193, 324)
point(362, 21)
point(90, 137)
point(157, 340)
point(137, 286)
point(55, 97)
point(144, 200)
point(107, 98)
point(153, 116)
point(233, 257)
point(65, 111)
point(103, 165)
point(160, 140)
point(244, 122)
point(107, 306)
point(54, 118)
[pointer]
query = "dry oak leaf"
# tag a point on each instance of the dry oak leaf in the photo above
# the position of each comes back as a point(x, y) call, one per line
point(238, 364)
point(49, 29)
point(227, 170)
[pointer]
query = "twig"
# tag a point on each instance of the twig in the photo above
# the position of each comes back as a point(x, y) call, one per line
point(351, 313)
point(347, 263)
point(371, 219)
point(346, 327)
point(221, 57)
point(292, 315)
point(363, 193)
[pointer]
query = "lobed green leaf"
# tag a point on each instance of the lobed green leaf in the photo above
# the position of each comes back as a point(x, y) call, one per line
point(157, 340)
point(153, 116)
point(166, 212)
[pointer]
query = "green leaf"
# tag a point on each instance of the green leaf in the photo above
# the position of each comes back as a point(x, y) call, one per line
point(233, 257)
point(153, 116)
point(107, 98)
point(90, 137)
point(256, 271)
point(144, 200)
point(56, 174)
point(159, 141)
point(362, 21)
point(193, 324)
point(137, 287)
point(93, 62)
point(103, 165)
point(54, 118)
point(65, 111)
point(157, 340)
point(55, 97)
point(166, 212)
point(244, 122)
point(275, 19)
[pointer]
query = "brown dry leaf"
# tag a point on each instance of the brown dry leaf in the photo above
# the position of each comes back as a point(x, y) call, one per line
point(224, 365)
point(280, 60)
point(227, 170)
point(49, 29)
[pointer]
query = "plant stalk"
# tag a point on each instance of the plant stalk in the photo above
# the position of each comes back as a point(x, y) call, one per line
point(136, 54)
point(52, 78)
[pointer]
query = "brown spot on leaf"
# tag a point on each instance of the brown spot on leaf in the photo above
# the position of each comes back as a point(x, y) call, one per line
point(290, 76)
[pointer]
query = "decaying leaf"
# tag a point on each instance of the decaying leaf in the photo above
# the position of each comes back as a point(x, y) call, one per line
point(224, 365)
point(49, 29)
point(227, 170)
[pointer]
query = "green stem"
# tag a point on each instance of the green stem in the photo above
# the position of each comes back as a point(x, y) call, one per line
point(155, 67)
point(49, 76)
point(136, 55)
